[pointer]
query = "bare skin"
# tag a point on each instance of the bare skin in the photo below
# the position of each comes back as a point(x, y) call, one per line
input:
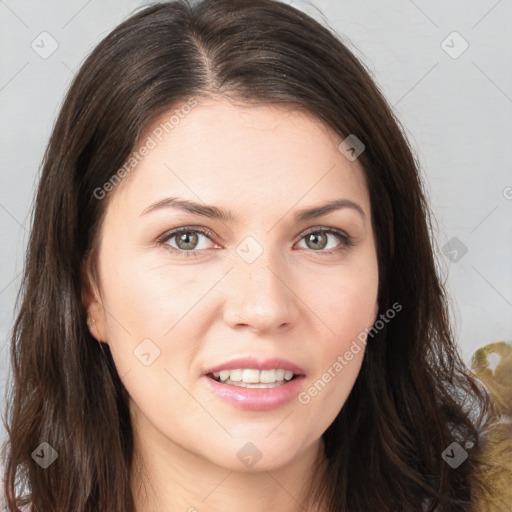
point(294, 301)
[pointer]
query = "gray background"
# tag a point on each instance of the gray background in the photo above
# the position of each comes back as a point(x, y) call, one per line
point(456, 107)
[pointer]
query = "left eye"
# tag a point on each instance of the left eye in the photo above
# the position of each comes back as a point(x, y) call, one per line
point(318, 240)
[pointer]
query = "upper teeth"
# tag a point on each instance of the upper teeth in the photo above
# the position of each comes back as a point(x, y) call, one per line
point(251, 376)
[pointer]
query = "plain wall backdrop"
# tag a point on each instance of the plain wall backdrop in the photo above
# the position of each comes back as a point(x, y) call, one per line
point(443, 65)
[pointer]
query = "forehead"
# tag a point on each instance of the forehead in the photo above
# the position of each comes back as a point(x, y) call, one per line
point(241, 155)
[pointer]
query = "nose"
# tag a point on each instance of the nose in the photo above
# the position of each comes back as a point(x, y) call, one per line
point(260, 295)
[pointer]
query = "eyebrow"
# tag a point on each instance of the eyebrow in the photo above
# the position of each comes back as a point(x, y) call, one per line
point(215, 212)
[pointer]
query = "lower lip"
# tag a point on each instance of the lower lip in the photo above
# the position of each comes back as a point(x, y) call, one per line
point(257, 399)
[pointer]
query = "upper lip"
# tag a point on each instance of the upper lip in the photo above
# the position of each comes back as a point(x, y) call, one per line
point(257, 364)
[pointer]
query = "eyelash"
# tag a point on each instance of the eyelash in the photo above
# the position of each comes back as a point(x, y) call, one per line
point(346, 241)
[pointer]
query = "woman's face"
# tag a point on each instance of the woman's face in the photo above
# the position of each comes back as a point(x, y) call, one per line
point(257, 288)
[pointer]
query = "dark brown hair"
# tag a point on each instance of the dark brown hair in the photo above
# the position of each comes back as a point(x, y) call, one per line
point(408, 403)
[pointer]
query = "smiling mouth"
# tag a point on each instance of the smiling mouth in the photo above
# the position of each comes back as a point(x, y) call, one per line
point(254, 379)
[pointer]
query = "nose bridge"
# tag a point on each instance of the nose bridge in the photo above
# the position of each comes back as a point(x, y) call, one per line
point(259, 296)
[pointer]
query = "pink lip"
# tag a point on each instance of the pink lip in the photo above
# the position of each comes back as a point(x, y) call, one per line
point(253, 399)
point(254, 363)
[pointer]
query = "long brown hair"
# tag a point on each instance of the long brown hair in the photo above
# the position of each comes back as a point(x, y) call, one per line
point(408, 404)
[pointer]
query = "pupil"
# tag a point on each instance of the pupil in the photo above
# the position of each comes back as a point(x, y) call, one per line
point(189, 240)
point(313, 237)
point(187, 244)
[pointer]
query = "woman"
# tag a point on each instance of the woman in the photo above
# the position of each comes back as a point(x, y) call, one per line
point(300, 357)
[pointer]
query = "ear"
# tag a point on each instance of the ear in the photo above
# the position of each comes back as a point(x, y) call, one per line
point(92, 302)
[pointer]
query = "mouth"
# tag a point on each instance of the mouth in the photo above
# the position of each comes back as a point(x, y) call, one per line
point(253, 384)
point(253, 378)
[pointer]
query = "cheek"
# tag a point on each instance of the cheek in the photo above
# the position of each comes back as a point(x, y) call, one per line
point(346, 301)
point(347, 308)
point(146, 299)
point(140, 308)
